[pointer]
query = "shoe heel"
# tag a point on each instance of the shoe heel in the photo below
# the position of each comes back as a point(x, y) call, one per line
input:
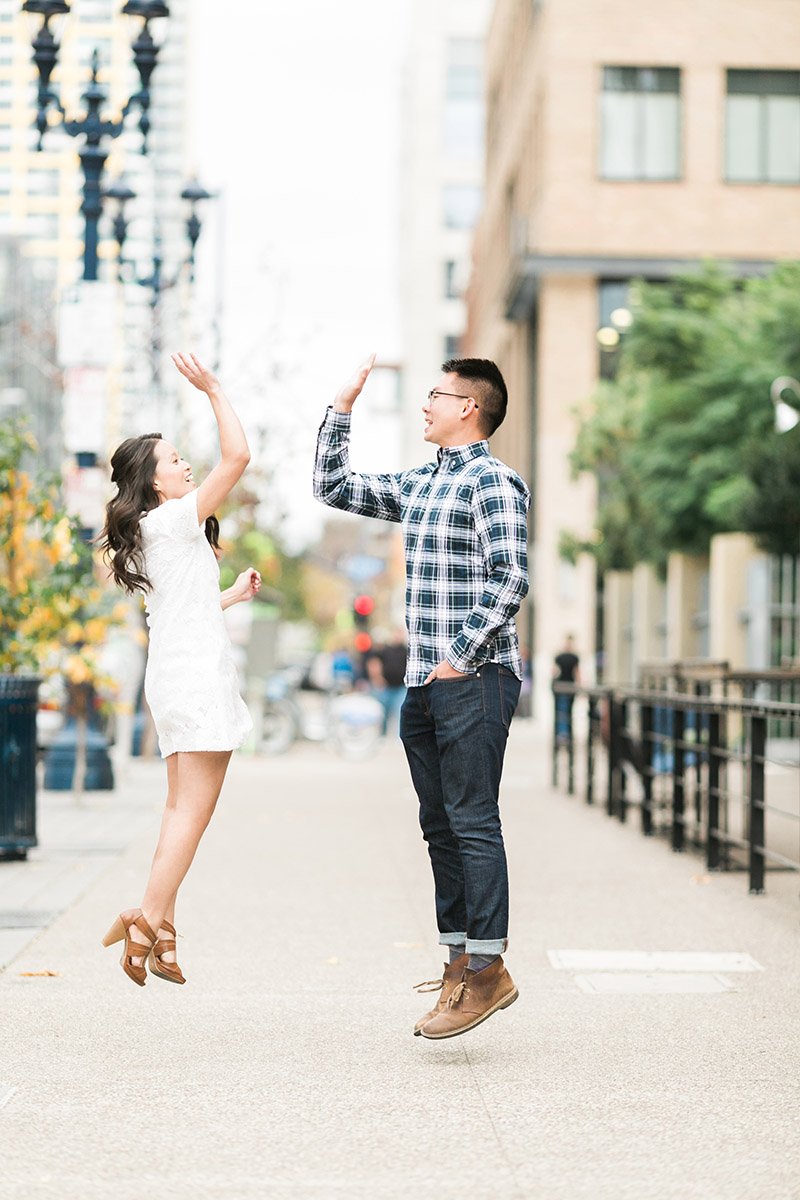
point(116, 933)
point(510, 999)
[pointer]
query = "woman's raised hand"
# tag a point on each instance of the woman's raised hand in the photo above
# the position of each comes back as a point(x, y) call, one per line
point(198, 375)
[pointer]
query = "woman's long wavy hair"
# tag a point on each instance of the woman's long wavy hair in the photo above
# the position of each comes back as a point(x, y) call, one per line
point(133, 468)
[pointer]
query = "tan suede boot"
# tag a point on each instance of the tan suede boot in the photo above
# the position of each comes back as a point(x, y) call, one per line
point(453, 973)
point(476, 997)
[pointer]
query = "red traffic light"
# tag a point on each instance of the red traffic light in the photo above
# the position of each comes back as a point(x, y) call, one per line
point(362, 642)
point(363, 605)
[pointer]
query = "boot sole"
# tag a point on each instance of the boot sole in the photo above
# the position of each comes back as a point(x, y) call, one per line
point(504, 1003)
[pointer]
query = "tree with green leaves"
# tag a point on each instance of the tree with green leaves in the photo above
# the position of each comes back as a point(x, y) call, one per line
point(682, 441)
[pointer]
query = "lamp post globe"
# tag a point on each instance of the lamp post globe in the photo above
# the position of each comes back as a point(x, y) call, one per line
point(194, 192)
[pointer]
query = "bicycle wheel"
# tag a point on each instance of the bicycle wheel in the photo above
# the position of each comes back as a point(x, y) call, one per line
point(278, 729)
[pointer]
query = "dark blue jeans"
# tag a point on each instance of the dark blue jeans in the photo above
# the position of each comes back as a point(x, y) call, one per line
point(454, 733)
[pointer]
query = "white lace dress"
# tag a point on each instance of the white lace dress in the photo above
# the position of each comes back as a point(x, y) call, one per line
point(190, 682)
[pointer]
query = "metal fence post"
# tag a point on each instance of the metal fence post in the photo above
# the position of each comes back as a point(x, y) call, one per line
point(590, 750)
point(622, 718)
point(758, 745)
point(570, 752)
point(712, 798)
point(555, 740)
point(613, 754)
point(646, 728)
point(678, 778)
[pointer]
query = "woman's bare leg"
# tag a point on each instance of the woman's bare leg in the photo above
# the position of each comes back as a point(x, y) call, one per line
point(172, 799)
point(194, 784)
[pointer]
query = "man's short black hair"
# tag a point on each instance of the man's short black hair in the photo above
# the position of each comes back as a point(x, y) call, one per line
point(483, 377)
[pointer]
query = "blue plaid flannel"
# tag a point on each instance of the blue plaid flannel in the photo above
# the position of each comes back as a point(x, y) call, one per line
point(464, 521)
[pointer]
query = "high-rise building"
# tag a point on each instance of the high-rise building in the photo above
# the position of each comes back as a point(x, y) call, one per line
point(443, 190)
point(41, 190)
point(624, 140)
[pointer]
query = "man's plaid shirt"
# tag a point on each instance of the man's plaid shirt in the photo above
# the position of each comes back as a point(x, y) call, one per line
point(464, 521)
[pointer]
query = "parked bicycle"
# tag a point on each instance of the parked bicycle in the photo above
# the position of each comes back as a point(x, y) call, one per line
point(349, 723)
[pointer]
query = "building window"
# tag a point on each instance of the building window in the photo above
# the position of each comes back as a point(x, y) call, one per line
point(452, 346)
point(463, 109)
point(451, 288)
point(613, 319)
point(42, 182)
point(6, 51)
point(762, 142)
point(462, 205)
point(41, 225)
point(5, 181)
point(96, 10)
point(641, 123)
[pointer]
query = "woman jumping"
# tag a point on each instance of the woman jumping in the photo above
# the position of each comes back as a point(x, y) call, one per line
point(160, 538)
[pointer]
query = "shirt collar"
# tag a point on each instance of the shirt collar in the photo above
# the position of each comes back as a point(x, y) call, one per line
point(450, 458)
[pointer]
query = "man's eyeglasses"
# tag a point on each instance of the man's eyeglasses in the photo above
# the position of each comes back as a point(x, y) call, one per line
point(432, 394)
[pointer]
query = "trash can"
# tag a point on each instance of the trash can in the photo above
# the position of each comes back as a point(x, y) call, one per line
point(19, 696)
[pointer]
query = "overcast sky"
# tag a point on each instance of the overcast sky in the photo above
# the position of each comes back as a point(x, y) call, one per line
point(297, 122)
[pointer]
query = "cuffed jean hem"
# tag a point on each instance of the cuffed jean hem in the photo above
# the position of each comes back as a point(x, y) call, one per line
point(497, 946)
point(452, 939)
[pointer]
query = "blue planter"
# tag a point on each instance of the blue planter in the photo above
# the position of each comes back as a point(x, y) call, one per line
point(19, 695)
point(59, 761)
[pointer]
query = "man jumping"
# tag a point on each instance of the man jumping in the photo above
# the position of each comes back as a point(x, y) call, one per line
point(464, 520)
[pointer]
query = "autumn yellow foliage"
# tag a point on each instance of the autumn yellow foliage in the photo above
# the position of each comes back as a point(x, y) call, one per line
point(55, 613)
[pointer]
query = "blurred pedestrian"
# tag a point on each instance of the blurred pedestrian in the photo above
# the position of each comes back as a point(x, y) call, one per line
point(386, 669)
point(464, 522)
point(566, 669)
point(161, 538)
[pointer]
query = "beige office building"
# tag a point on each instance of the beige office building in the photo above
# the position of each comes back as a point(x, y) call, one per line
point(625, 139)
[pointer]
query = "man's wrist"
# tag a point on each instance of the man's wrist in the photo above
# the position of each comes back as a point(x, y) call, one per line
point(464, 666)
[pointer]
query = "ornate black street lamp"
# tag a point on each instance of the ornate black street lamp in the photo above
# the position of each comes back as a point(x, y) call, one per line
point(93, 153)
point(195, 193)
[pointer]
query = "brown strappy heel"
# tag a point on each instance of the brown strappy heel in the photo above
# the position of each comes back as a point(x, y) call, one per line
point(119, 933)
point(165, 970)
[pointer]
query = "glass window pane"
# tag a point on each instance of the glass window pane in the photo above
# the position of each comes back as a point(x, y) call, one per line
point(619, 136)
point(783, 139)
point(658, 79)
point(463, 128)
point(661, 118)
point(619, 79)
point(764, 83)
point(41, 181)
point(41, 225)
point(742, 156)
point(641, 79)
point(464, 69)
point(462, 205)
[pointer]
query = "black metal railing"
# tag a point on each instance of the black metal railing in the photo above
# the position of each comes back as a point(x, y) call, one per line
point(714, 773)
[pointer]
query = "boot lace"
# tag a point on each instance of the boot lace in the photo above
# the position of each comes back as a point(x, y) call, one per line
point(458, 992)
point(429, 985)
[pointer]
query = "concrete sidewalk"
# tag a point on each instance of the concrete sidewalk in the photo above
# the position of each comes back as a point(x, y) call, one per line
point(286, 1066)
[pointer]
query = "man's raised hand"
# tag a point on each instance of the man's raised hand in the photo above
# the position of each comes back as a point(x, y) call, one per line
point(349, 392)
